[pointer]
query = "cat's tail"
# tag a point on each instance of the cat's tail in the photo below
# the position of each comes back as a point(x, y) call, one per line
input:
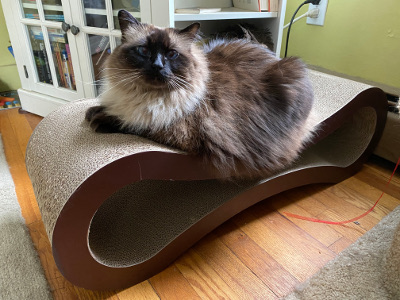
point(287, 80)
point(291, 91)
point(287, 70)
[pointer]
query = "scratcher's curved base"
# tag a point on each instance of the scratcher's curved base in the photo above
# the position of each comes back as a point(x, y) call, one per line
point(134, 209)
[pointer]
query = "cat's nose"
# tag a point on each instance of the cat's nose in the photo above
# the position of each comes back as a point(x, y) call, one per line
point(158, 63)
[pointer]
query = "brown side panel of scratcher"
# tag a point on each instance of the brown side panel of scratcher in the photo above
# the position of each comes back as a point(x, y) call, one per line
point(89, 258)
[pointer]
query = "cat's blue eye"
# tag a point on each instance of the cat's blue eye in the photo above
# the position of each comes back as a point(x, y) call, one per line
point(172, 54)
point(143, 51)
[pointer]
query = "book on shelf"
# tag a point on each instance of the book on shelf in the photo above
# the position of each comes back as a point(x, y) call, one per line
point(257, 5)
point(40, 61)
point(264, 5)
point(61, 57)
point(56, 36)
point(58, 18)
point(197, 10)
point(32, 16)
point(57, 61)
point(252, 5)
point(66, 70)
point(71, 70)
point(40, 55)
point(46, 66)
point(273, 5)
point(36, 34)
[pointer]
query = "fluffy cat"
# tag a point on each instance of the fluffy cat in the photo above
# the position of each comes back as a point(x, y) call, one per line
point(231, 102)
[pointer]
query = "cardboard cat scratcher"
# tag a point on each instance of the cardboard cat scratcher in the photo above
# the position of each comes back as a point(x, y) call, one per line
point(119, 208)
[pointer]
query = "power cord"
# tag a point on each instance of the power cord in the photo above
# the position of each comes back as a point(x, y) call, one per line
point(315, 2)
point(313, 13)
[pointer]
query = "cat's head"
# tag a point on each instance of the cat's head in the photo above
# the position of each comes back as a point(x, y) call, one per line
point(156, 57)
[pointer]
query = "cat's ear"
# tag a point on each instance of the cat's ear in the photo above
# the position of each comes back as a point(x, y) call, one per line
point(191, 30)
point(126, 20)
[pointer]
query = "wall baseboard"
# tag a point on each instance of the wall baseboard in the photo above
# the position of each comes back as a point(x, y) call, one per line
point(389, 145)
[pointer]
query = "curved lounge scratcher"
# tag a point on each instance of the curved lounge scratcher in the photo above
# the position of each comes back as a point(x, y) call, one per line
point(119, 208)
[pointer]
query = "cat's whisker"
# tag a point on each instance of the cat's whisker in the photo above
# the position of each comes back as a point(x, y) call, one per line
point(184, 81)
point(118, 69)
point(115, 86)
point(133, 76)
point(177, 84)
point(170, 85)
point(131, 72)
point(87, 83)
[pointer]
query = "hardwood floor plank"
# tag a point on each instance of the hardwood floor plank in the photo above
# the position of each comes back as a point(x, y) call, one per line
point(284, 252)
point(376, 172)
point(340, 245)
point(142, 290)
point(274, 275)
point(350, 231)
point(310, 248)
point(89, 295)
point(32, 119)
point(65, 293)
point(305, 201)
point(236, 275)
point(21, 127)
point(172, 285)
point(326, 235)
point(344, 210)
point(386, 203)
point(203, 278)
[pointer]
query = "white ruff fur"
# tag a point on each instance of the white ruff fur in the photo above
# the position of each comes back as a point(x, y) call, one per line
point(151, 110)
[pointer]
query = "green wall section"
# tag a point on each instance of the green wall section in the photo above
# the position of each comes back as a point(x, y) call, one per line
point(9, 78)
point(360, 38)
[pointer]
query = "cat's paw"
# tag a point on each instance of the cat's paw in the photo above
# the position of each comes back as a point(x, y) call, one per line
point(92, 112)
point(100, 122)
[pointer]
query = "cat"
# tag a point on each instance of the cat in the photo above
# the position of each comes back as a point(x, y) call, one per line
point(231, 102)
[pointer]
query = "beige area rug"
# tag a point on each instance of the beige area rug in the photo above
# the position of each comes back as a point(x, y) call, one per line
point(368, 269)
point(21, 274)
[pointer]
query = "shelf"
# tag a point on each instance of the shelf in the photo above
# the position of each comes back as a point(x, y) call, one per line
point(102, 11)
point(91, 11)
point(226, 14)
point(45, 7)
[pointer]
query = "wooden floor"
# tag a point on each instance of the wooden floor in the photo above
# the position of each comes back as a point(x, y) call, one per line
point(259, 254)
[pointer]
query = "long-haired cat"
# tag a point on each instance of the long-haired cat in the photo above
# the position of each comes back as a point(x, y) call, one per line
point(231, 102)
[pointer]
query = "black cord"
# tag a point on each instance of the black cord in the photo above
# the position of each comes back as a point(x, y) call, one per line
point(315, 2)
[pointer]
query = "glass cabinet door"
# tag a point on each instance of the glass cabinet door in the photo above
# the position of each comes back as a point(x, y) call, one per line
point(98, 23)
point(54, 58)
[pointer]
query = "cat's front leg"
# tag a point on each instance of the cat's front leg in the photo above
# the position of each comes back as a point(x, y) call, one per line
point(101, 122)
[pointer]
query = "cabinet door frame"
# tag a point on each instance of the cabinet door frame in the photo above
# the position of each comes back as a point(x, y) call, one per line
point(17, 42)
point(82, 39)
point(25, 57)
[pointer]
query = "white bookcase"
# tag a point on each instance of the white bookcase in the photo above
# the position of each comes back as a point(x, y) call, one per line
point(163, 14)
point(59, 45)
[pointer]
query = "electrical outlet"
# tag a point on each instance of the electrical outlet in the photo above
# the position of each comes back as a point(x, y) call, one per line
point(322, 6)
